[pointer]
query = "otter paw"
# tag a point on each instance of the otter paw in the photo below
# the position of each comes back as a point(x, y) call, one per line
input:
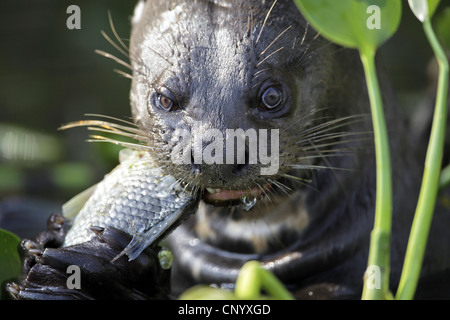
point(87, 271)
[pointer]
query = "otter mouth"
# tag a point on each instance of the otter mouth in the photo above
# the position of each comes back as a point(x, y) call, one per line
point(229, 197)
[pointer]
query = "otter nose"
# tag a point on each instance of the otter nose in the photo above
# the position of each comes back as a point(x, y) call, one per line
point(217, 163)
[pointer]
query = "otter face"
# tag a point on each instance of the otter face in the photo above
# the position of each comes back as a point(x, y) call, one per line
point(227, 103)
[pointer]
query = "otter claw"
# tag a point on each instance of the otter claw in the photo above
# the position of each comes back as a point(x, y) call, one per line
point(28, 244)
point(13, 289)
point(97, 230)
point(55, 222)
point(35, 252)
point(31, 248)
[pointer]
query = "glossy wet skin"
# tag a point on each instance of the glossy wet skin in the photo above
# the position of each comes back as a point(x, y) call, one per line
point(231, 72)
point(243, 64)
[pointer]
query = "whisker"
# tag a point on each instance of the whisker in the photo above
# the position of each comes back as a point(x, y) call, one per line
point(111, 118)
point(281, 186)
point(304, 34)
point(332, 136)
point(265, 21)
point(335, 135)
point(262, 61)
point(325, 159)
point(124, 74)
point(275, 40)
point(332, 124)
point(259, 72)
point(113, 29)
point(308, 46)
point(256, 75)
point(264, 191)
point(127, 130)
point(328, 155)
point(118, 132)
point(325, 148)
point(177, 181)
point(302, 181)
point(305, 117)
point(312, 166)
point(105, 35)
point(135, 146)
point(102, 124)
point(118, 60)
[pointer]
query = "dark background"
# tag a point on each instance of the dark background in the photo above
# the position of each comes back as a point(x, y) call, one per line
point(50, 75)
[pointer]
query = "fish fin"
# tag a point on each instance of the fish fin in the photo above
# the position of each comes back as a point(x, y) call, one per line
point(133, 249)
point(141, 241)
point(71, 208)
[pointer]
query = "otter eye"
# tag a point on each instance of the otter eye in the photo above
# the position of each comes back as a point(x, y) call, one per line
point(166, 103)
point(271, 98)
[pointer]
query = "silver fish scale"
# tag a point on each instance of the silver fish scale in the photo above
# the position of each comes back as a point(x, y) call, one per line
point(136, 198)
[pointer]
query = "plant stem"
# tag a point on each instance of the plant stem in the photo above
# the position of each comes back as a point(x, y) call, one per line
point(381, 233)
point(248, 283)
point(252, 277)
point(273, 286)
point(428, 193)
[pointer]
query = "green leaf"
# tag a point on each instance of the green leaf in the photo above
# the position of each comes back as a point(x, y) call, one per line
point(443, 27)
point(423, 9)
point(10, 263)
point(432, 6)
point(361, 24)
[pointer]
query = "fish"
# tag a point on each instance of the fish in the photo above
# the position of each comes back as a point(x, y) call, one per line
point(135, 197)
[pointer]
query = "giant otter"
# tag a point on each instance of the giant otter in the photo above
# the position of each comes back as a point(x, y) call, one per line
point(210, 65)
point(258, 64)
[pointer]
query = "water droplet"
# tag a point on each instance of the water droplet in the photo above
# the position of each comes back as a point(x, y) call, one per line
point(165, 258)
point(248, 202)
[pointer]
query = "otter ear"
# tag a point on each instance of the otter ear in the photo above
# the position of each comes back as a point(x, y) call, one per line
point(138, 10)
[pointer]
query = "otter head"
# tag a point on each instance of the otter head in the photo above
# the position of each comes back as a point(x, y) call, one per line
point(238, 100)
point(221, 91)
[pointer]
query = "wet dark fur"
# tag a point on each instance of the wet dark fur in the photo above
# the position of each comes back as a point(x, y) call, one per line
point(214, 57)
